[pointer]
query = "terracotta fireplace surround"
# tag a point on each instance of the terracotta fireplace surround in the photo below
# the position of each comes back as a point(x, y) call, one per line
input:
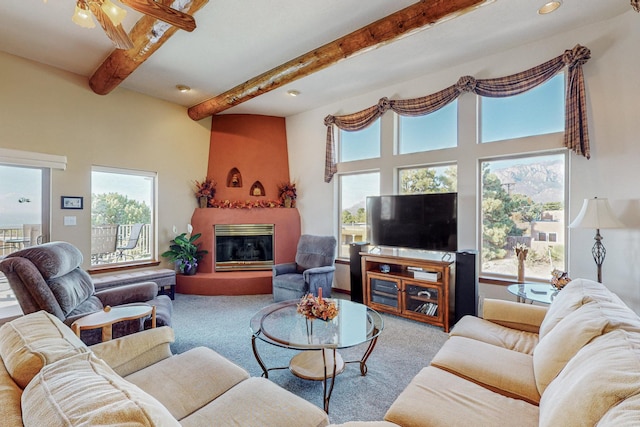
point(257, 147)
point(209, 282)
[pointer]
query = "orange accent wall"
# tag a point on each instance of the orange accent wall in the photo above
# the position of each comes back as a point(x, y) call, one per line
point(256, 146)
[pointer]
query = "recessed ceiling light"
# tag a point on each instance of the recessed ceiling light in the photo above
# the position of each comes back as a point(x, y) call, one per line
point(294, 92)
point(183, 88)
point(549, 7)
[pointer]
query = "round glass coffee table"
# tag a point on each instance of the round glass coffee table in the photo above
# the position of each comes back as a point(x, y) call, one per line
point(279, 324)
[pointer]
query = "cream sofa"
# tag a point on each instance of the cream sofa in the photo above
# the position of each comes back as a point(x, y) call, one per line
point(576, 363)
point(48, 377)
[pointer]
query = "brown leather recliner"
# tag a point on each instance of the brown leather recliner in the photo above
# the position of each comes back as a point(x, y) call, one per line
point(48, 277)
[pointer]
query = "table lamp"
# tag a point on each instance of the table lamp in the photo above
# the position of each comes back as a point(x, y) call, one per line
point(596, 213)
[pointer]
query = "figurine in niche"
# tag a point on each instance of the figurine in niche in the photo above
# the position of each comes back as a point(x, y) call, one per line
point(257, 191)
point(235, 180)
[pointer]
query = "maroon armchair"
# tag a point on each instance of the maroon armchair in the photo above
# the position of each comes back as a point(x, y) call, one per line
point(48, 277)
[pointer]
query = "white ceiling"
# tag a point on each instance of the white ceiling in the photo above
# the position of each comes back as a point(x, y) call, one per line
point(236, 40)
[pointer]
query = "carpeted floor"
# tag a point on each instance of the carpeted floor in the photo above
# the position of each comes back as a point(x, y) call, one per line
point(222, 323)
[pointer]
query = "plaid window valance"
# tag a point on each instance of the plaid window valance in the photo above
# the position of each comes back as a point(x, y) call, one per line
point(576, 135)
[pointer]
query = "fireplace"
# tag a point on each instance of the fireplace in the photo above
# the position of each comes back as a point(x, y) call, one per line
point(243, 247)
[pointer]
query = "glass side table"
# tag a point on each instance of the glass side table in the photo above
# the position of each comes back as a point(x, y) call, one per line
point(539, 292)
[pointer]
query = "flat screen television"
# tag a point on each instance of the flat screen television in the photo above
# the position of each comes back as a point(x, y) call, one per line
point(416, 221)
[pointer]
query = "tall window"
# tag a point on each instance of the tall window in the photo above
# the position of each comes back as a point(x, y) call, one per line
point(122, 216)
point(354, 190)
point(520, 196)
point(21, 207)
point(428, 179)
point(538, 111)
point(431, 132)
point(24, 213)
point(362, 144)
point(523, 201)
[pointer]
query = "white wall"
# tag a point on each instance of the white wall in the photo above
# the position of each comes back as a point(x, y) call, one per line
point(43, 109)
point(613, 90)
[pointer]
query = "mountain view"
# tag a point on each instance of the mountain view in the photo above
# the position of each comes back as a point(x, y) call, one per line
point(542, 181)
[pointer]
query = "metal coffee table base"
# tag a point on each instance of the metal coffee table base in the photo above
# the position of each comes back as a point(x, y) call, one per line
point(317, 365)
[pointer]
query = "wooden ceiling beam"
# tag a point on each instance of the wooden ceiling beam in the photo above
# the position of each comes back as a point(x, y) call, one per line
point(393, 27)
point(148, 34)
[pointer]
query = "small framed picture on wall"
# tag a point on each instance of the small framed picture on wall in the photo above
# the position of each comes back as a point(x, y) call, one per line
point(69, 202)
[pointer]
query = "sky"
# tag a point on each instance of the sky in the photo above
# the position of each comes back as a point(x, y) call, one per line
point(20, 183)
point(136, 187)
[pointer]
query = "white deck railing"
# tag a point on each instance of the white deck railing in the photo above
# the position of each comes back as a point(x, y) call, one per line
point(103, 246)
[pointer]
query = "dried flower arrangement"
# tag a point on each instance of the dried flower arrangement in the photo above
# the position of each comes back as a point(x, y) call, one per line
point(205, 188)
point(559, 278)
point(521, 251)
point(287, 190)
point(317, 308)
point(245, 204)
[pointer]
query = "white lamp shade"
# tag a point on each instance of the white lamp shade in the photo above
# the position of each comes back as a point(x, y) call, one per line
point(596, 213)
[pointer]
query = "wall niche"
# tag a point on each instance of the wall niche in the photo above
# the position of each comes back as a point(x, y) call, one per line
point(257, 189)
point(234, 178)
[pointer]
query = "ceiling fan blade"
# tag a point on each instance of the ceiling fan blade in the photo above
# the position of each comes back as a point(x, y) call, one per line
point(163, 13)
point(116, 33)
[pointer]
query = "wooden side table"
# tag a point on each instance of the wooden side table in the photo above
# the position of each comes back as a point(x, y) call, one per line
point(110, 315)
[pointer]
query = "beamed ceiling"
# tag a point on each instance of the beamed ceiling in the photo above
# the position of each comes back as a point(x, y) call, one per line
point(245, 55)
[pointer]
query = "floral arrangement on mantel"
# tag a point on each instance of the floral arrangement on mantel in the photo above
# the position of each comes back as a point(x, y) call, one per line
point(205, 191)
point(287, 194)
point(244, 204)
point(559, 279)
point(317, 308)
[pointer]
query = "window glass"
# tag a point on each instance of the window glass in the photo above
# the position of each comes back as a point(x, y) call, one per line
point(431, 132)
point(362, 144)
point(538, 111)
point(428, 179)
point(523, 202)
point(354, 190)
point(23, 217)
point(122, 214)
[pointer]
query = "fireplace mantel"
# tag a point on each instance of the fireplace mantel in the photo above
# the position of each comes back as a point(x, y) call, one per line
point(210, 282)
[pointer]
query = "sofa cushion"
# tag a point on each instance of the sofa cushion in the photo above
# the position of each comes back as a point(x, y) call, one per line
point(437, 398)
point(208, 376)
point(83, 391)
point(52, 259)
point(558, 346)
point(498, 335)
point(603, 373)
point(10, 394)
point(573, 295)
point(624, 414)
point(257, 402)
point(484, 364)
point(30, 342)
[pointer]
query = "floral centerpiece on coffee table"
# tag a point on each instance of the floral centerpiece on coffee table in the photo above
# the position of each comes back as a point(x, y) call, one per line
point(317, 307)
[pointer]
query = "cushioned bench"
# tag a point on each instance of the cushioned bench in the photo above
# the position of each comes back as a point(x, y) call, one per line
point(163, 277)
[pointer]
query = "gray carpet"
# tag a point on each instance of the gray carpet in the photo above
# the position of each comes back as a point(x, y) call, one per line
point(222, 323)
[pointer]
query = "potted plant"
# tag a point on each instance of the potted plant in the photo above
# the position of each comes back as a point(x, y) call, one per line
point(185, 253)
